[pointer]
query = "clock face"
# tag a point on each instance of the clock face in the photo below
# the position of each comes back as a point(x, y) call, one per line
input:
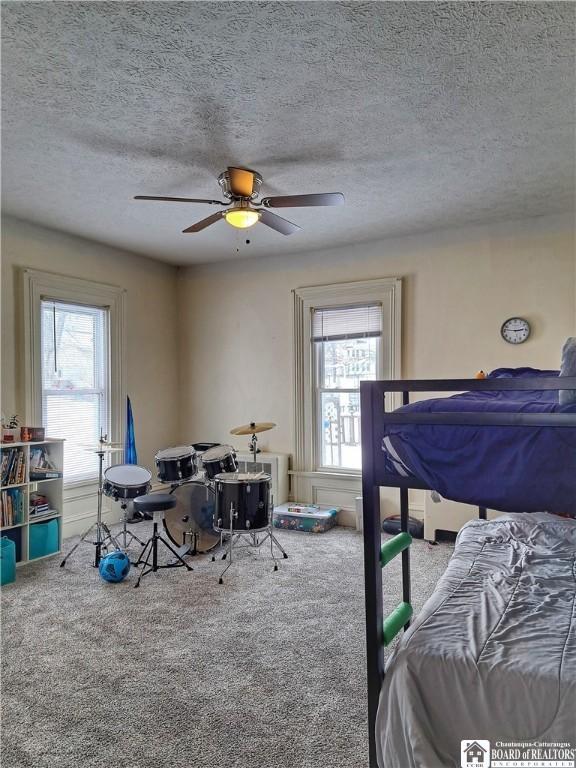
point(515, 330)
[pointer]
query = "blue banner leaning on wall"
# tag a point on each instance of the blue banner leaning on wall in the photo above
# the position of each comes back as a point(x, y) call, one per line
point(130, 454)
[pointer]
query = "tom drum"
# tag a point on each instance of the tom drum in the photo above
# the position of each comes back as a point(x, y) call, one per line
point(176, 465)
point(221, 458)
point(242, 501)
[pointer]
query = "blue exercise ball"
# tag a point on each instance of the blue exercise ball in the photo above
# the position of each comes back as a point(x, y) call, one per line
point(114, 567)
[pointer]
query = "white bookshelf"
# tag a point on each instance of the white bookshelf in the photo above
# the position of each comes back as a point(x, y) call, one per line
point(52, 488)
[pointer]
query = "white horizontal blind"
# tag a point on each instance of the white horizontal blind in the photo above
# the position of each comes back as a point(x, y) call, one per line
point(346, 342)
point(75, 381)
point(339, 323)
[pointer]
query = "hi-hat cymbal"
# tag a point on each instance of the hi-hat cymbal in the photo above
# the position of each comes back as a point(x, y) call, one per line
point(103, 447)
point(116, 444)
point(253, 428)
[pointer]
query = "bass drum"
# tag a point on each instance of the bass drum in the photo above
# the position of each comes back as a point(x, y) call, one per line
point(191, 520)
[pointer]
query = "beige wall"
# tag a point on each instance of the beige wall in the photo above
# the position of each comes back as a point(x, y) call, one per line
point(210, 347)
point(151, 348)
point(236, 342)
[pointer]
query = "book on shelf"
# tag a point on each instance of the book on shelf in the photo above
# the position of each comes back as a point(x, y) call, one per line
point(40, 459)
point(13, 466)
point(12, 507)
point(39, 505)
point(37, 514)
point(44, 474)
point(41, 465)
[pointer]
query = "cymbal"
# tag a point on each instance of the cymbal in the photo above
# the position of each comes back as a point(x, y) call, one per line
point(117, 443)
point(103, 447)
point(253, 428)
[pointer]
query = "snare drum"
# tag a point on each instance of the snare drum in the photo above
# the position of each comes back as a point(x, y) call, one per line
point(173, 465)
point(126, 481)
point(242, 501)
point(221, 458)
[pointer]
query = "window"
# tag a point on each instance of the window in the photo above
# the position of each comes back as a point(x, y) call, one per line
point(343, 333)
point(75, 381)
point(346, 347)
point(74, 365)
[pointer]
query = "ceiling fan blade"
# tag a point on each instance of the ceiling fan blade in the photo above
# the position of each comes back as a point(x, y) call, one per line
point(179, 199)
point(200, 225)
point(281, 225)
point(241, 181)
point(302, 201)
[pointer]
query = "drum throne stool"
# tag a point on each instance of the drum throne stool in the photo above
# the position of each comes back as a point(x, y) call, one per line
point(156, 504)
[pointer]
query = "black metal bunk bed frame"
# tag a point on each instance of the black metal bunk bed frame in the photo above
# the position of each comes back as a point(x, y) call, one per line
point(374, 418)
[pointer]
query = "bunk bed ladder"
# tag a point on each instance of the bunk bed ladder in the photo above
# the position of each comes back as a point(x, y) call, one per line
point(380, 631)
point(401, 615)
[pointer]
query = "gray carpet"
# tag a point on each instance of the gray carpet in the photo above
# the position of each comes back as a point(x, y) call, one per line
point(265, 670)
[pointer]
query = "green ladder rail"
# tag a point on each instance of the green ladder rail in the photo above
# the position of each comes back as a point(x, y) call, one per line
point(402, 614)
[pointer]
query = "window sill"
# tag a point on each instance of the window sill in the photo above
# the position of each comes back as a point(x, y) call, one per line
point(345, 475)
point(71, 484)
point(80, 489)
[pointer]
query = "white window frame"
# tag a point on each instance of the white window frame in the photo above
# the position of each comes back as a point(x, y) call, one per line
point(317, 397)
point(387, 292)
point(40, 286)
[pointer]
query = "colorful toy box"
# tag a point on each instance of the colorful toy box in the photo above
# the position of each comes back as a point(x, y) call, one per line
point(304, 517)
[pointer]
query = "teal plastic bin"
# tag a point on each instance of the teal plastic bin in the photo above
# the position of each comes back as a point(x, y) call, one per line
point(43, 539)
point(7, 561)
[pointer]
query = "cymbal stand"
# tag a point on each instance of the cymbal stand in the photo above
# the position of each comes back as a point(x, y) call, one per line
point(220, 547)
point(125, 532)
point(254, 446)
point(103, 533)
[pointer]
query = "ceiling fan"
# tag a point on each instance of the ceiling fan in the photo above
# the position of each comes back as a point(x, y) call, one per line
point(241, 187)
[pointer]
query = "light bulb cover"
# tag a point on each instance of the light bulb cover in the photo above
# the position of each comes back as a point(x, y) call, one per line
point(242, 217)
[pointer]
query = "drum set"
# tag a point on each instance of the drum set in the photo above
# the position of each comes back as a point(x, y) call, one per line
point(216, 505)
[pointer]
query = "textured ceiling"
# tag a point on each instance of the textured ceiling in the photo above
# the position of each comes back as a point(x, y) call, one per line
point(426, 115)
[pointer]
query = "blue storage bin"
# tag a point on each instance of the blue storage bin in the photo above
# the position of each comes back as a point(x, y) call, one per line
point(43, 539)
point(7, 561)
point(15, 535)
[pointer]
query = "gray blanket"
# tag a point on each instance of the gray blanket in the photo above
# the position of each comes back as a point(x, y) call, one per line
point(492, 655)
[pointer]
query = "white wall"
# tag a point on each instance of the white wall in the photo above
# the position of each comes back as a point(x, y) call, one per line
point(151, 349)
point(235, 317)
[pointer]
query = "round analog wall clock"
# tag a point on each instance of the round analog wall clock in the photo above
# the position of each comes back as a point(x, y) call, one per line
point(515, 330)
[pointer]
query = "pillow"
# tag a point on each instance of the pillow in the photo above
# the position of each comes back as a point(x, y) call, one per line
point(568, 368)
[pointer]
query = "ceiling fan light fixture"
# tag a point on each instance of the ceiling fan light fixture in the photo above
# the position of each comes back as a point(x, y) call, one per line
point(242, 218)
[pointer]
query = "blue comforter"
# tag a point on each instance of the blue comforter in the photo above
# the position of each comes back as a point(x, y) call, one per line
point(513, 469)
